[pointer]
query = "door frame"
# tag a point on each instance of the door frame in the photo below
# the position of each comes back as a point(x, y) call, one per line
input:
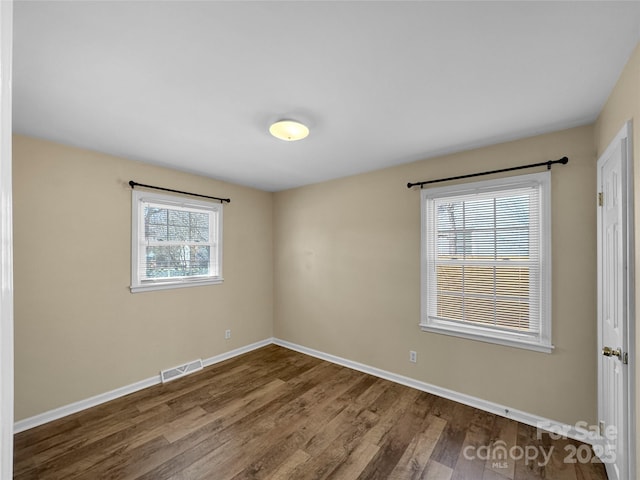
point(6, 243)
point(624, 135)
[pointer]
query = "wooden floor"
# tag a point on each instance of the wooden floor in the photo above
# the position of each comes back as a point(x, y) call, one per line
point(278, 414)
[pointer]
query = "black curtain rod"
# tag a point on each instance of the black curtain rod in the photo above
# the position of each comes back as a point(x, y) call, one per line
point(563, 161)
point(136, 184)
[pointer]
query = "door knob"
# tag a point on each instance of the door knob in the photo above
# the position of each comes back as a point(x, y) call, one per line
point(611, 352)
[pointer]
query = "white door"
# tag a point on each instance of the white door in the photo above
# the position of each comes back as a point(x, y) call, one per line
point(614, 303)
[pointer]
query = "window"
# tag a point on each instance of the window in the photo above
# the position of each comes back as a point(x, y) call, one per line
point(176, 242)
point(486, 261)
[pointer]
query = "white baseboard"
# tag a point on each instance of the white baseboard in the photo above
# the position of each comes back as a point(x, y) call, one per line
point(552, 426)
point(571, 431)
point(65, 410)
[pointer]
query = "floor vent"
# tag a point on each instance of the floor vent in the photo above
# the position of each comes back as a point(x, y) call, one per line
point(180, 370)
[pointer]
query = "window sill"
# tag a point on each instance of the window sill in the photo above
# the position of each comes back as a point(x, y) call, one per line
point(508, 342)
point(171, 285)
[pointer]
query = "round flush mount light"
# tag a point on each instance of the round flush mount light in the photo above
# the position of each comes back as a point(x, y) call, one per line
point(289, 130)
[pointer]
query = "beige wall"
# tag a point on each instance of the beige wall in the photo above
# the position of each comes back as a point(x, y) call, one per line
point(347, 269)
point(78, 330)
point(623, 105)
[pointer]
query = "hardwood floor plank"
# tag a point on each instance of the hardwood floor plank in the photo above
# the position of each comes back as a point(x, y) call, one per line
point(42, 438)
point(278, 414)
point(493, 475)
point(361, 391)
point(397, 439)
point(591, 470)
point(416, 456)
point(436, 471)
point(449, 447)
point(128, 461)
point(527, 436)
point(355, 462)
point(558, 468)
point(339, 441)
point(82, 455)
point(470, 462)
point(278, 419)
point(181, 428)
point(505, 436)
point(390, 405)
point(190, 395)
point(283, 472)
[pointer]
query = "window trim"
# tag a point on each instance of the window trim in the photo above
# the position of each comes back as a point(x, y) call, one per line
point(137, 198)
point(542, 343)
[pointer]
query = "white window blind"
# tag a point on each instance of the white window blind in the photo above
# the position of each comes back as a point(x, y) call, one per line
point(486, 260)
point(176, 242)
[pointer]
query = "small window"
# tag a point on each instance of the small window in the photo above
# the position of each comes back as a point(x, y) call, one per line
point(176, 242)
point(486, 261)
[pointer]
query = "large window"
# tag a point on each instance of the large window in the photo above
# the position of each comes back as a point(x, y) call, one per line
point(486, 261)
point(176, 242)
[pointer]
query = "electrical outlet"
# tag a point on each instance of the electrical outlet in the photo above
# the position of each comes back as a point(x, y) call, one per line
point(413, 356)
point(227, 334)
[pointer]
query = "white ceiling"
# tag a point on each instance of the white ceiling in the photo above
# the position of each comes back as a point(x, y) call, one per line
point(195, 85)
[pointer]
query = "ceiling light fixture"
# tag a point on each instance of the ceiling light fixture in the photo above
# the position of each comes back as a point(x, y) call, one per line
point(289, 130)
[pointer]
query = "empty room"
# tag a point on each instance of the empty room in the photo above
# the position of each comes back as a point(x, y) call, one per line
point(319, 240)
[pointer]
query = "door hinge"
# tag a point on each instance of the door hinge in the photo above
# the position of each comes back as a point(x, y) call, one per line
point(600, 199)
point(601, 428)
